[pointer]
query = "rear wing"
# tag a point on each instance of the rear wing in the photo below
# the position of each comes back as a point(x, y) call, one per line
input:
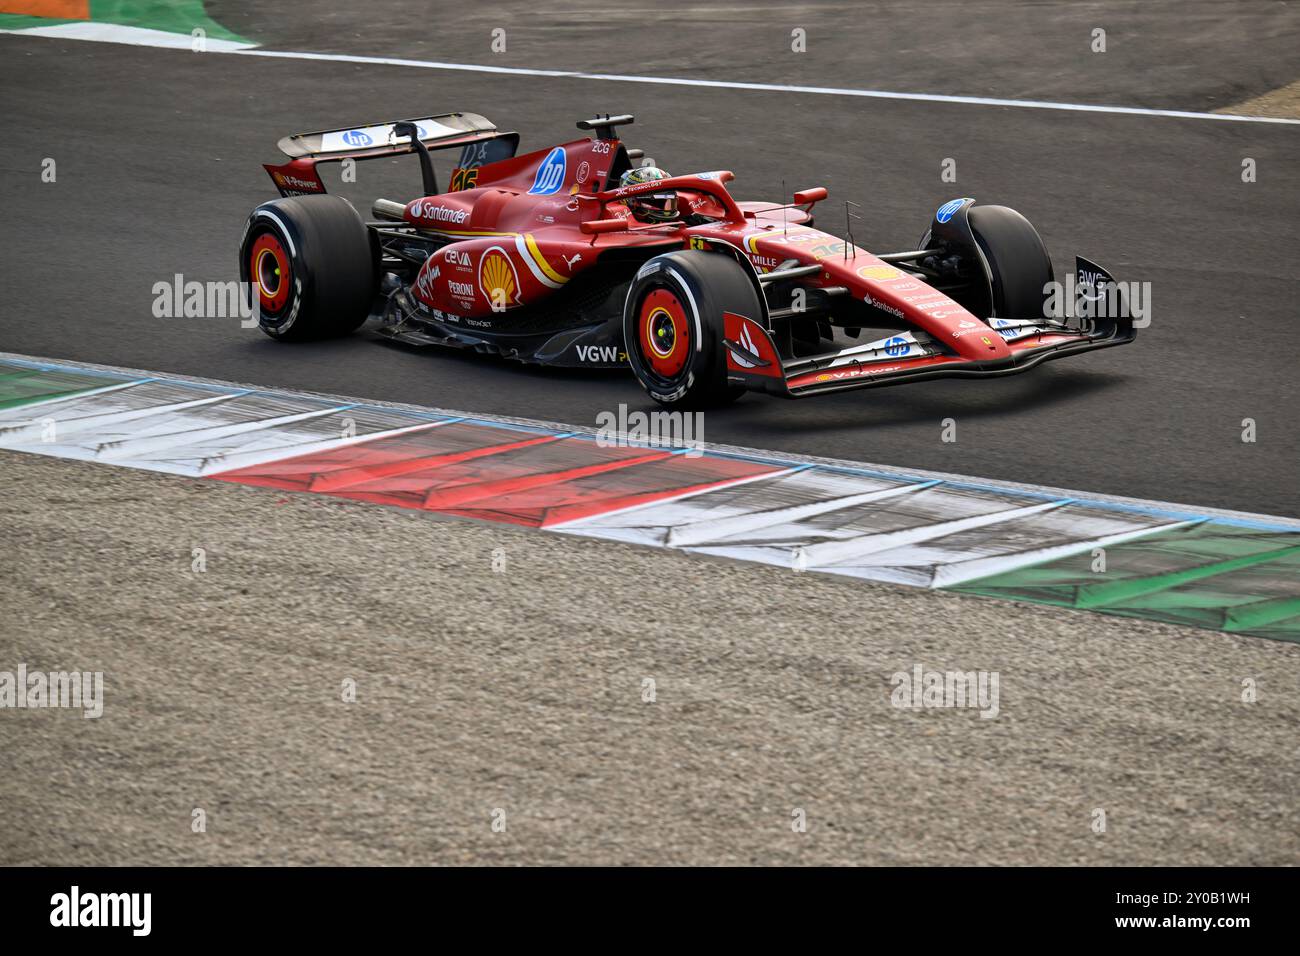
point(435, 131)
point(479, 138)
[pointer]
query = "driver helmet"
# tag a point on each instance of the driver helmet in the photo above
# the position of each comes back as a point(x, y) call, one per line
point(649, 207)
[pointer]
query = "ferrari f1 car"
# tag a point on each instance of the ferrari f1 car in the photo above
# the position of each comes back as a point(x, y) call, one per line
point(566, 256)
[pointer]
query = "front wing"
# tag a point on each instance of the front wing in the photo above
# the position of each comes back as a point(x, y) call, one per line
point(1041, 346)
point(913, 356)
point(907, 357)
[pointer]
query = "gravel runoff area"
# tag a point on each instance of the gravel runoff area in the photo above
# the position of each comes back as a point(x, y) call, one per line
point(1284, 102)
point(517, 695)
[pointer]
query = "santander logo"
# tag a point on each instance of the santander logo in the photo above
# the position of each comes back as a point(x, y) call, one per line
point(747, 343)
point(753, 342)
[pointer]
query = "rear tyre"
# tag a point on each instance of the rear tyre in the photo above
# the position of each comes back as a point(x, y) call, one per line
point(673, 326)
point(312, 267)
point(1017, 259)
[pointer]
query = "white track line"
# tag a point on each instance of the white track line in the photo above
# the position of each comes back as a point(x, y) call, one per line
point(765, 87)
point(215, 46)
point(715, 530)
point(961, 572)
point(848, 550)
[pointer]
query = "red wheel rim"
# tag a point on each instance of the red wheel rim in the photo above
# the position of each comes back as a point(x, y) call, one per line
point(268, 267)
point(665, 333)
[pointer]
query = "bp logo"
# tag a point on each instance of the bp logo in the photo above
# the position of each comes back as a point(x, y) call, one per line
point(550, 175)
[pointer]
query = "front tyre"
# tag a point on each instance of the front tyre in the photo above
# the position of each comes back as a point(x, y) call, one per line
point(673, 326)
point(1019, 265)
point(312, 266)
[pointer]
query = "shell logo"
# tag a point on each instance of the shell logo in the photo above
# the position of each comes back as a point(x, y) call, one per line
point(879, 273)
point(497, 279)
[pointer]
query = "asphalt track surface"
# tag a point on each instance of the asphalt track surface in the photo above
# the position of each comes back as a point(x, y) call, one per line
point(1169, 54)
point(159, 158)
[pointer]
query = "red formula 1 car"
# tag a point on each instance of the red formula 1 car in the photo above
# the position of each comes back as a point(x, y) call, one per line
point(569, 256)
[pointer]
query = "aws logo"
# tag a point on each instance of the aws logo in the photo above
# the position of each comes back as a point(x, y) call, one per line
point(498, 280)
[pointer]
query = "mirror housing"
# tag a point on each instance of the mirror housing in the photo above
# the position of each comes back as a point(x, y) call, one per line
point(806, 197)
point(596, 227)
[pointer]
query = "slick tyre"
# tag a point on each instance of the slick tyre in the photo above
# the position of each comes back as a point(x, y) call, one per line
point(311, 265)
point(1017, 259)
point(673, 326)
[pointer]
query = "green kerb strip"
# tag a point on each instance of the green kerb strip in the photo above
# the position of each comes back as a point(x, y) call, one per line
point(172, 16)
point(1117, 592)
point(1216, 575)
point(1250, 617)
point(21, 21)
point(26, 386)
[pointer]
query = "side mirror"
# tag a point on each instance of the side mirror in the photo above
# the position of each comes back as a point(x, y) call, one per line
point(806, 197)
point(594, 227)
